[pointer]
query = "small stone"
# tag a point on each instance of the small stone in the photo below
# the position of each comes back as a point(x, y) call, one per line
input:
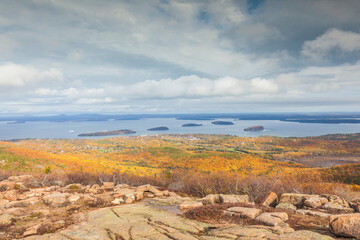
point(5, 220)
point(14, 204)
point(121, 192)
point(32, 230)
point(11, 195)
point(270, 200)
point(108, 186)
point(244, 212)
point(313, 213)
point(355, 206)
point(129, 198)
point(143, 188)
point(190, 204)
point(286, 206)
point(16, 211)
point(148, 195)
point(272, 218)
point(210, 199)
point(7, 185)
point(294, 198)
point(347, 225)
point(166, 193)
point(121, 186)
point(118, 201)
point(74, 199)
point(336, 200)
point(96, 189)
point(233, 198)
point(337, 206)
point(315, 202)
point(56, 200)
point(139, 196)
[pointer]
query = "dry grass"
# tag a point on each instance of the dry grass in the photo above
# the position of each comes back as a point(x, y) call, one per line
point(214, 214)
point(202, 184)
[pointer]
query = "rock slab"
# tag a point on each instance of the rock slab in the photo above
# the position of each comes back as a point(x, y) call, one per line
point(347, 225)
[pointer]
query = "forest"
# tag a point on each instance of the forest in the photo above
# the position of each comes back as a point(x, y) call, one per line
point(333, 157)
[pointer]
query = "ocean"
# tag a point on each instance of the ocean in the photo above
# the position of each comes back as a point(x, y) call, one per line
point(71, 129)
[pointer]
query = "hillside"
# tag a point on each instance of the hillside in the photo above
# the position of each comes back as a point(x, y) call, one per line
point(163, 154)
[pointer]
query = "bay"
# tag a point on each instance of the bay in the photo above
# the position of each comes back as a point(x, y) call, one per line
point(72, 129)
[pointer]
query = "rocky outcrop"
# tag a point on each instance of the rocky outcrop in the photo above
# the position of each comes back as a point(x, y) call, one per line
point(145, 212)
point(347, 225)
point(243, 212)
point(140, 221)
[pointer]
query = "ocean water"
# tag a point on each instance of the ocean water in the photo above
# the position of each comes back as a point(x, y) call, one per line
point(72, 129)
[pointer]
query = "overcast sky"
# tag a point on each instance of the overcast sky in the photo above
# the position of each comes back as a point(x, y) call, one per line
point(163, 56)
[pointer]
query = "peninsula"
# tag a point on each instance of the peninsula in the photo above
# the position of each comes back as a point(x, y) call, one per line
point(107, 133)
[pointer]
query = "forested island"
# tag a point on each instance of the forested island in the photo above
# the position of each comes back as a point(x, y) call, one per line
point(222, 123)
point(254, 129)
point(191, 125)
point(107, 133)
point(158, 129)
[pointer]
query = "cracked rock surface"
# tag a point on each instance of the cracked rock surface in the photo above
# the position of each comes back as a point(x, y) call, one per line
point(142, 221)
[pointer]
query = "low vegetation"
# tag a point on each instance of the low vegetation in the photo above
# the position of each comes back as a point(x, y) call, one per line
point(193, 164)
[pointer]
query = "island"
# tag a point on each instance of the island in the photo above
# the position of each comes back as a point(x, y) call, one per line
point(254, 129)
point(191, 125)
point(107, 133)
point(222, 123)
point(158, 129)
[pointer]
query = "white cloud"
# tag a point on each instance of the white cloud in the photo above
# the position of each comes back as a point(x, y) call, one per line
point(93, 100)
point(333, 39)
point(264, 86)
point(15, 75)
point(322, 79)
point(196, 87)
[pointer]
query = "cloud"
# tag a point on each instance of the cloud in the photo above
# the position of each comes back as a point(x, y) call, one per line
point(15, 75)
point(162, 54)
point(343, 78)
point(93, 100)
point(333, 39)
point(196, 87)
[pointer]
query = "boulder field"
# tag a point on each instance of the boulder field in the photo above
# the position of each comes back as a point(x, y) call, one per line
point(30, 211)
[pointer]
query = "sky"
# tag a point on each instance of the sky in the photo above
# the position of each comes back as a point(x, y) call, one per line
point(177, 56)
